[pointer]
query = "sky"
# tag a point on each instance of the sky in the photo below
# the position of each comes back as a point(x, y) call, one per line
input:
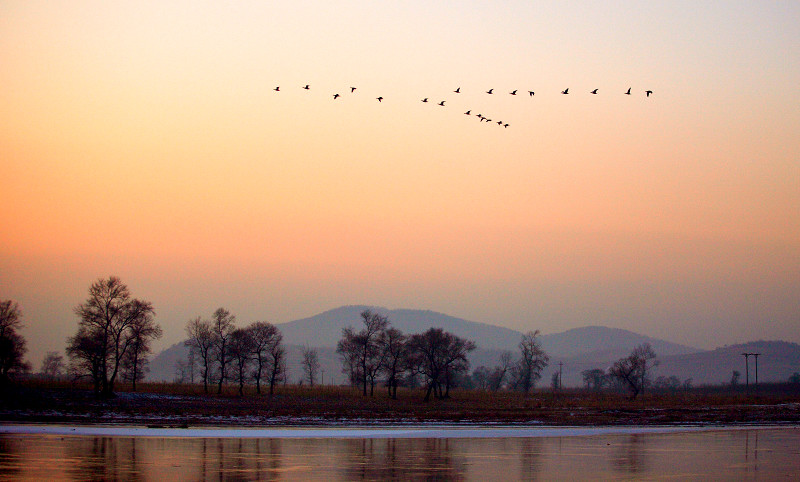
point(145, 140)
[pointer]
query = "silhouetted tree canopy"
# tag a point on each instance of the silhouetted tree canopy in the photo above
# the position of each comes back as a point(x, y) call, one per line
point(12, 344)
point(107, 332)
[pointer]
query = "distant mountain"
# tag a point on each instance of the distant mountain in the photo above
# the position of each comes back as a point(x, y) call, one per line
point(776, 363)
point(325, 329)
point(577, 349)
point(606, 342)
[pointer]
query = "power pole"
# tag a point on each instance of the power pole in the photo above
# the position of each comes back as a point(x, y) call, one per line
point(755, 355)
point(746, 369)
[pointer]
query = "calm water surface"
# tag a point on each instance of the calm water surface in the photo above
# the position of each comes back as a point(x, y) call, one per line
point(742, 454)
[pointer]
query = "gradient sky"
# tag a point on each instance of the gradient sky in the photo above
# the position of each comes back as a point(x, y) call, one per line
point(144, 139)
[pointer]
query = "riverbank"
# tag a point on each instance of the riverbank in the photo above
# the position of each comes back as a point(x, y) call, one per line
point(170, 406)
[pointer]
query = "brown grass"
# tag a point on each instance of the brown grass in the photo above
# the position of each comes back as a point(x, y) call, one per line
point(184, 404)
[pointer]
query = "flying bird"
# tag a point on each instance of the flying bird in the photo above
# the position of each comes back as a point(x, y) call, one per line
point(648, 92)
point(458, 90)
point(530, 93)
point(514, 92)
point(306, 87)
point(505, 125)
point(379, 99)
point(277, 89)
point(441, 103)
point(565, 91)
point(489, 91)
point(499, 123)
point(468, 112)
point(352, 89)
point(335, 96)
point(594, 91)
point(628, 92)
point(425, 99)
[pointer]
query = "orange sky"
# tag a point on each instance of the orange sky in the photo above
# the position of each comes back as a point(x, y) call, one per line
point(145, 140)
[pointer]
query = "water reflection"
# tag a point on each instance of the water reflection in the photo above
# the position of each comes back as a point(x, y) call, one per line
point(630, 454)
point(762, 453)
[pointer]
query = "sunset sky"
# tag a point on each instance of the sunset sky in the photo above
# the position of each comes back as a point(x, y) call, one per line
point(144, 139)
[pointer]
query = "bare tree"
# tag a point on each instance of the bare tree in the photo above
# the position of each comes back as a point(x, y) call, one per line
point(533, 360)
point(480, 378)
point(438, 355)
point(222, 326)
point(595, 379)
point(241, 353)
point(200, 343)
point(348, 350)
point(277, 366)
point(86, 357)
point(12, 344)
point(363, 350)
point(265, 337)
point(108, 316)
point(310, 365)
point(632, 371)
point(498, 376)
point(53, 365)
point(135, 362)
point(394, 345)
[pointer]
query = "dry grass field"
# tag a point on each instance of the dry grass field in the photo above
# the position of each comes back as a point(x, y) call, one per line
point(169, 404)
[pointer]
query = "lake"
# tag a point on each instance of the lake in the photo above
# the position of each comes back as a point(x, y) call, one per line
point(98, 453)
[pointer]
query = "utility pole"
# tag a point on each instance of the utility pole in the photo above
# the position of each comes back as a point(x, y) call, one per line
point(755, 355)
point(746, 369)
point(560, 382)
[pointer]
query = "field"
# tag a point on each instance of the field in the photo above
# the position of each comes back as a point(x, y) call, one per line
point(168, 404)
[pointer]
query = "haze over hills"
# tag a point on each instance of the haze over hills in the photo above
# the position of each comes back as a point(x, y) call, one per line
point(577, 349)
point(777, 361)
point(325, 329)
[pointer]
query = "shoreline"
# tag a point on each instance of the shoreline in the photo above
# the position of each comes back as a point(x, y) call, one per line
point(348, 432)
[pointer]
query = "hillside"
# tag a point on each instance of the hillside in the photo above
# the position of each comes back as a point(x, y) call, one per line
point(577, 349)
point(778, 360)
point(325, 329)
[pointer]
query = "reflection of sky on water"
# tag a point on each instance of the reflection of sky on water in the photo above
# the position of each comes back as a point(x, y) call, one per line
point(767, 453)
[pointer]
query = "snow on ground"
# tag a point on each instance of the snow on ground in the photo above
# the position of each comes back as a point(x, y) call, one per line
point(371, 433)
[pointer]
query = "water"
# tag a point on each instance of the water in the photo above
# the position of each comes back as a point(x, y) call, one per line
point(719, 454)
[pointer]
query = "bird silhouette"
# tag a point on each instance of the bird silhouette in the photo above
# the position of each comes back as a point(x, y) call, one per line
point(306, 87)
point(628, 92)
point(489, 91)
point(514, 92)
point(565, 91)
point(505, 125)
point(335, 96)
point(379, 99)
point(352, 89)
point(458, 90)
point(499, 123)
point(441, 103)
point(648, 92)
point(425, 99)
point(468, 112)
point(594, 91)
point(277, 89)
point(530, 93)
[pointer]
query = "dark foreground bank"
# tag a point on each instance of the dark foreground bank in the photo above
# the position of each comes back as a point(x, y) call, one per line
point(172, 405)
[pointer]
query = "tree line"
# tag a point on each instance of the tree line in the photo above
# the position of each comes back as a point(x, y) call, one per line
point(435, 359)
point(115, 333)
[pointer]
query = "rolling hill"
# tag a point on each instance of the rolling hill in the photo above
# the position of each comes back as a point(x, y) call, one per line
point(591, 346)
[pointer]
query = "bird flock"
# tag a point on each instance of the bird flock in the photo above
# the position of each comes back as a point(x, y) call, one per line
point(480, 117)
